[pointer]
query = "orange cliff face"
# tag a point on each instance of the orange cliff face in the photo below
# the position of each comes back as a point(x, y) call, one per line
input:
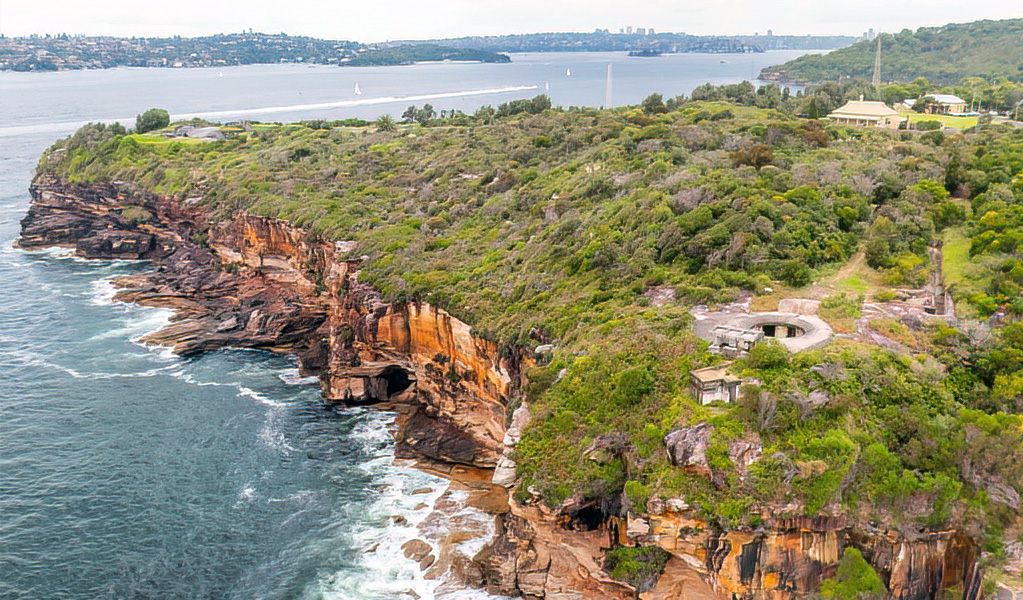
point(786, 558)
point(252, 282)
point(413, 353)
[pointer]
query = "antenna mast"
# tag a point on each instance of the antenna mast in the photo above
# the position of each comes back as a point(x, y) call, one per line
point(877, 68)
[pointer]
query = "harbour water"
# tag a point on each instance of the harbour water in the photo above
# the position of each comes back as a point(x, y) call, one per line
point(128, 473)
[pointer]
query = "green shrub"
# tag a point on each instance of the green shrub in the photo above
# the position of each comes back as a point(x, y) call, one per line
point(856, 580)
point(637, 494)
point(632, 384)
point(767, 355)
point(640, 567)
point(136, 214)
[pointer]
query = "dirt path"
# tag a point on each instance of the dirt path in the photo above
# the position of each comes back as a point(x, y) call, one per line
point(857, 262)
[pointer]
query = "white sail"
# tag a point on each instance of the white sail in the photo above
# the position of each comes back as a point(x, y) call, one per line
point(607, 90)
point(568, 72)
point(358, 92)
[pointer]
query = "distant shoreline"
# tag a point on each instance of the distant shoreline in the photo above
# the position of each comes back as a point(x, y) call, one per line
point(409, 64)
point(80, 53)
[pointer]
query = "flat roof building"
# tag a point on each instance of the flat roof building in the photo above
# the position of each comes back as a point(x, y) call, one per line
point(711, 384)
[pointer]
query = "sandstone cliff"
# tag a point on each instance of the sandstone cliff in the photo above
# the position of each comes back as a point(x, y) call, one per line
point(251, 282)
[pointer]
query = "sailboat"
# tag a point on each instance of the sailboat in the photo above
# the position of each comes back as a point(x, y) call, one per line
point(358, 92)
point(546, 86)
point(568, 72)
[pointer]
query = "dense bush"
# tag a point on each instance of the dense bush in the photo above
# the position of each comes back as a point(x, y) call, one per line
point(856, 580)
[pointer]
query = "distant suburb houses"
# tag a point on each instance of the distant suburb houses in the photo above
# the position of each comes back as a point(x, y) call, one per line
point(867, 114)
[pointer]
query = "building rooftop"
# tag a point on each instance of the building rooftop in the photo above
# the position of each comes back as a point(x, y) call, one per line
point(864, 109)
point(946, 99)
point(714, 373)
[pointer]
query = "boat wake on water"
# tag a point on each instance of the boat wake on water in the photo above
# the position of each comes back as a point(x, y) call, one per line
point(68, 126)
point(355, 103)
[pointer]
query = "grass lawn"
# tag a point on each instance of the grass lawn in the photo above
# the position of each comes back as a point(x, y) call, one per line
point(946, 120)
point(955, 250)
point(158, 138)
point(968, 275)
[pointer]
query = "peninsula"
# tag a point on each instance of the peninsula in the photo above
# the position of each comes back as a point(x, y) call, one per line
point(704, 348)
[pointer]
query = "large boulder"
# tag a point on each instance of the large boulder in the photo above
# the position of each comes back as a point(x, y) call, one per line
point(116, 244)
point(687, 447)
point(744, 452)
point(437, 439)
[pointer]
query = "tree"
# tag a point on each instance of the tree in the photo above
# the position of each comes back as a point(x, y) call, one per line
point(151, 120)
point(419, 115)
point(385, 123)
point(654, 104)
point(427, 113)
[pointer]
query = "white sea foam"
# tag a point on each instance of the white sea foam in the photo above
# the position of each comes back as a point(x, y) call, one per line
point(292, 377)
point(51, 252)
point(102, 292)
point(247, 392)
point(272, 433)
point(406, 508)
point(30, 359)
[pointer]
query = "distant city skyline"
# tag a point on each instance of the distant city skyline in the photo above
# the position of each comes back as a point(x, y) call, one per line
point(402, 19)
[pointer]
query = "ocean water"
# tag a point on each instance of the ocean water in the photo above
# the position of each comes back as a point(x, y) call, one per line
point(128, 473)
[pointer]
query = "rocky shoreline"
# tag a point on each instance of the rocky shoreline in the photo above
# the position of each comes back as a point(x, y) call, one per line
point(252, 282)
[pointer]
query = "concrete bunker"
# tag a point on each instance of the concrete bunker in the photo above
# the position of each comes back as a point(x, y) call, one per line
point(781, 330)
point(734, 334)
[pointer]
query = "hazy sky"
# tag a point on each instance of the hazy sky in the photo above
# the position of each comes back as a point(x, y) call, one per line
point(378, 20)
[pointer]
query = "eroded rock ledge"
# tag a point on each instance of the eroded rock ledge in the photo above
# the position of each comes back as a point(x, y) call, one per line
point(250, 282)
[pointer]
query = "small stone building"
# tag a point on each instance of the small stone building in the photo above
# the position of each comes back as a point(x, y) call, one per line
point(711, 384)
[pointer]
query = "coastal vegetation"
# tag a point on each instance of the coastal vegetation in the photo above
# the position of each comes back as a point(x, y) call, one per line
point(944, 55)
point(597, 230)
